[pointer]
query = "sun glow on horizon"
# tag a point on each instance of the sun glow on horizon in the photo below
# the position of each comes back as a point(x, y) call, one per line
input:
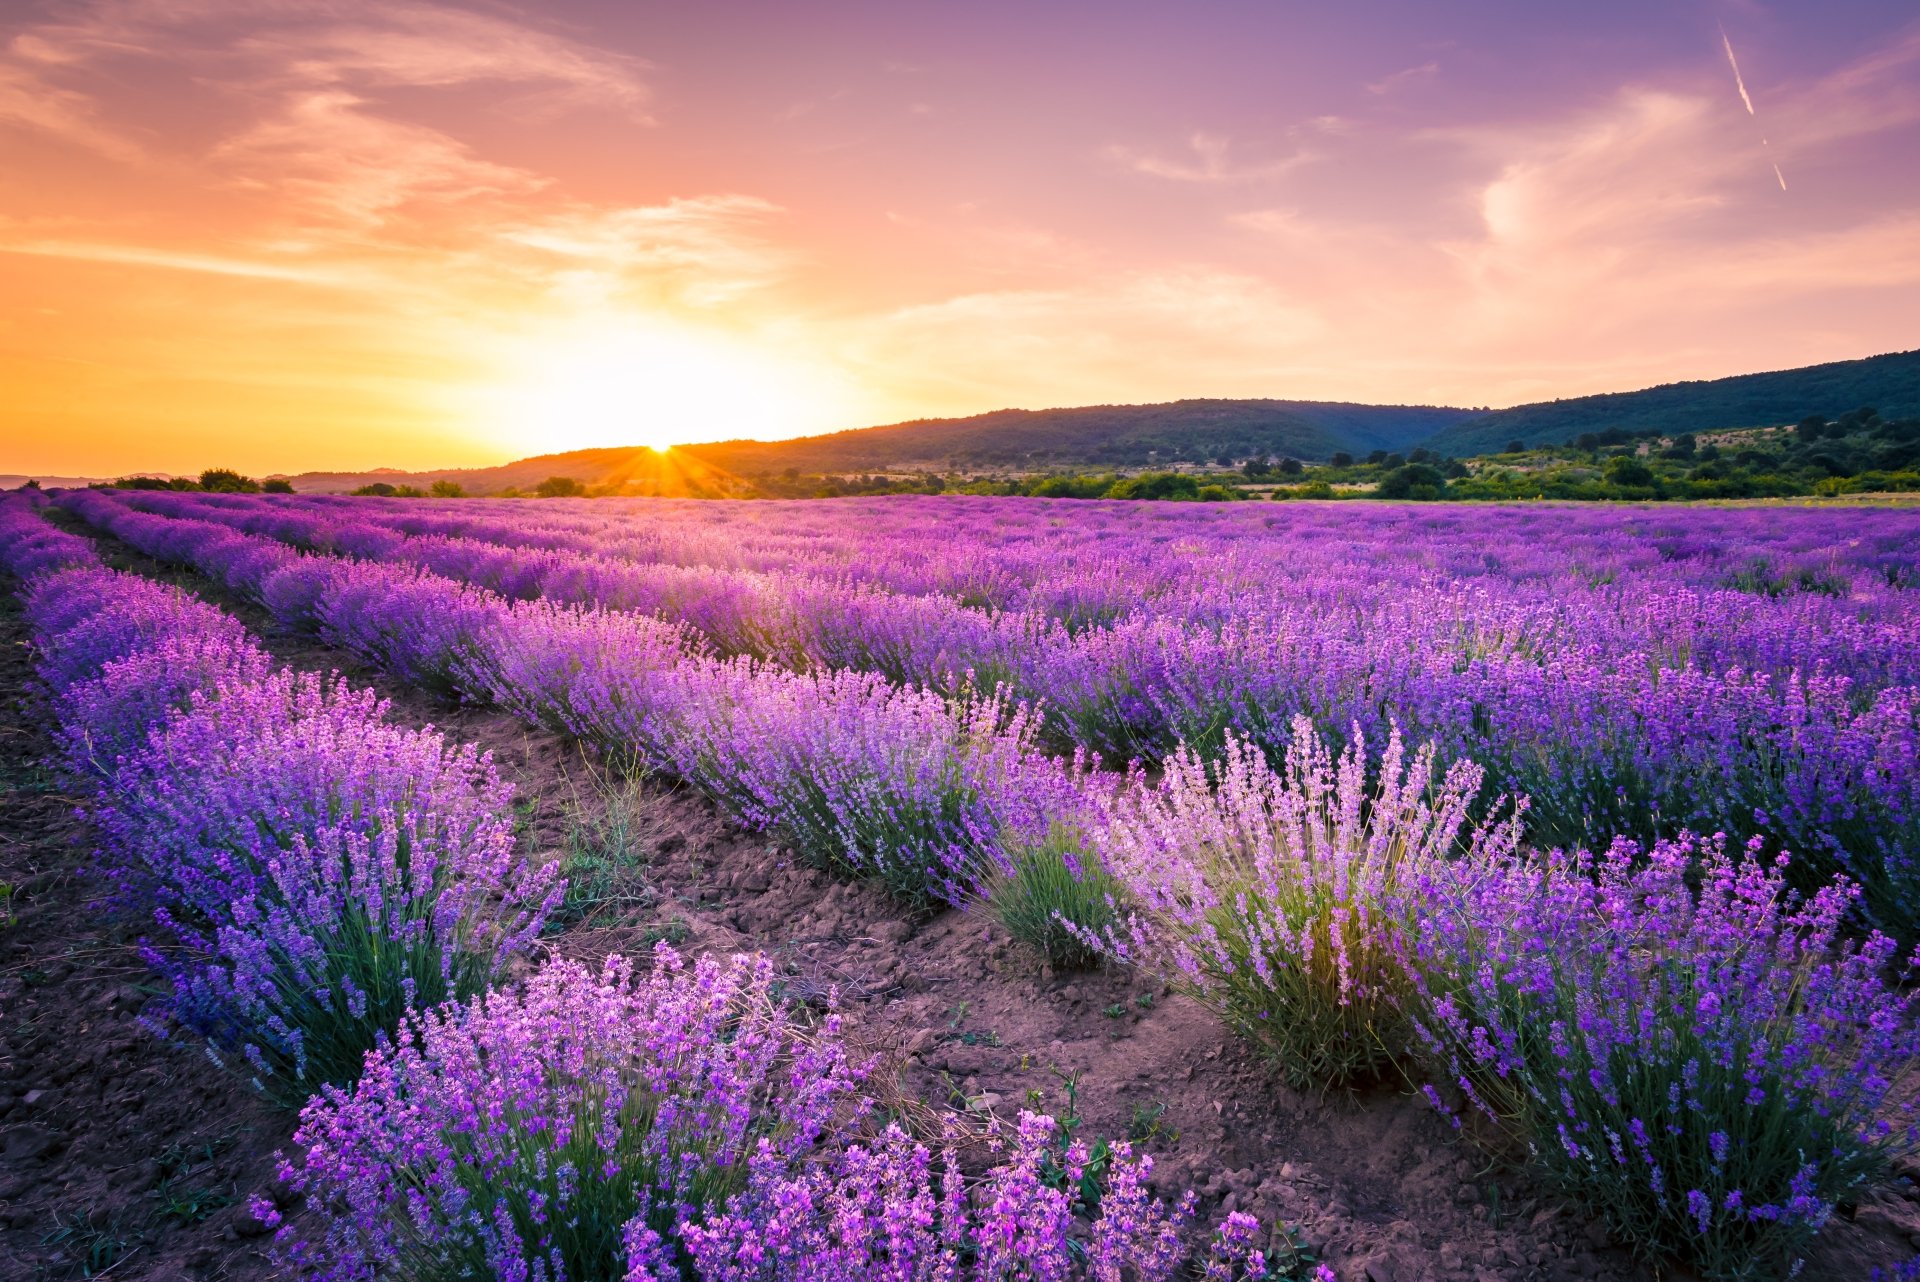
point(628, 382)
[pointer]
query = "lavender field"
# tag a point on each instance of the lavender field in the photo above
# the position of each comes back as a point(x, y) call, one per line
point(1582, 837)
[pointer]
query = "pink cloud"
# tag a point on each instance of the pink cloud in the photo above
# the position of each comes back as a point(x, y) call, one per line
point(1210, 160)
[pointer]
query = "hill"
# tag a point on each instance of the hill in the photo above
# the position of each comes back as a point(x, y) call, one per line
point(1101, 437)
point(1094, 436)
point(1088, 436)
point(608, 466)
point(14, 480)
point(1890, 383)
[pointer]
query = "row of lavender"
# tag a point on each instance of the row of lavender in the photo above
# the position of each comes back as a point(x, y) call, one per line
point(1086, 561)
point(1814, 588)
point(1534, 585)
point(1639, 707)
point(924, 792)
point(315, 870)
point(1711, 1070)
point(337, 898)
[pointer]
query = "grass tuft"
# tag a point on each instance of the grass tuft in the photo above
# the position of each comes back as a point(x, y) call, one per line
point(1049, 886)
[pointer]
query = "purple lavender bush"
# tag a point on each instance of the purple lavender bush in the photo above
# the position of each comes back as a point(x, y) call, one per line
point(1281, 899)
point(600, 676)
point(685, 1126)
point(316, 870)
point(30, 547)
point(1689, 1047)
point(85, 619)
point(555, 1131)
point(108, 718)
point(1624, 672)
point(120, 652)
point(418, 626)
point(320, 871)
point(885, 1211)
point(903, 785)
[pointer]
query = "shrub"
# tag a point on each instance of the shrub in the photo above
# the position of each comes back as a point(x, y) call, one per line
point(320, 870)
point(551, 1132)
point(85, 619)
point(1155, 485)
point(1419, 481)
point(1053, 896)
point(104, 719)
point(1628, 472)
point(1686, 1045)
point(868, 778)
point(1281, 900)
point(224, 480)
point(559, 487)
point(877, 1212)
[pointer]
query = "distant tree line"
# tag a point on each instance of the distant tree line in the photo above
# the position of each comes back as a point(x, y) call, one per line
point(1856, 452)
point(438, 490)
point(215, 480)
point(1853, 453)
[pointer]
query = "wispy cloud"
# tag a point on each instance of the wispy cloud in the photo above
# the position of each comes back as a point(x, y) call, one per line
point(172, 260)
point(1089, 343)
point(405, 197)
point(703, 252)
point(302, 78)
point(30, 99)
point(1404, 79)
point(1208, 159)
point(335, 158)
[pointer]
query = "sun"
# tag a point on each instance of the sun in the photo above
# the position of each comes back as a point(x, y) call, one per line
point(631, 383)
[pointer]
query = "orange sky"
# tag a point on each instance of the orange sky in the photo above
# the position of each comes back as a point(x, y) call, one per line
point(289, 234)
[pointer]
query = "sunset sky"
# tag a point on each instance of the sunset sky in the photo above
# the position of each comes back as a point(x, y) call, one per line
point(289, 234)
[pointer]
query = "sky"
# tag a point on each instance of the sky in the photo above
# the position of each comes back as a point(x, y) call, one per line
point(289, 234)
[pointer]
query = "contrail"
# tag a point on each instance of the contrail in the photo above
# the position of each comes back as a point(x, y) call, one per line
point(1740, 83)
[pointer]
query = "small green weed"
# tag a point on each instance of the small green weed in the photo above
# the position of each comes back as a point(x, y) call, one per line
point(188, 1204)
point(673, 932)
point(607, 845)
point(92, 1241)
point(1092, 1184)
point(1145, 1126)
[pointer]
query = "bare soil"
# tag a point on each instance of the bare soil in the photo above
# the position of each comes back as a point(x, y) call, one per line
point(125, 1126)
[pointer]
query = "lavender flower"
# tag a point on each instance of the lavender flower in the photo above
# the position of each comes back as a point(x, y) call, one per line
point(323, 870)
point(1690, 1047)
point(561, 1130)
point(1282, 900)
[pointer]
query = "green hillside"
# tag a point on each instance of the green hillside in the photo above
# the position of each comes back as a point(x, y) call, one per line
point(1104, 438)
point(1890, 383)
point(1095, 436)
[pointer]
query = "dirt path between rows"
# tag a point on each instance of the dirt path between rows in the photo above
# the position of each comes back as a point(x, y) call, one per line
point(1376, 1184)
